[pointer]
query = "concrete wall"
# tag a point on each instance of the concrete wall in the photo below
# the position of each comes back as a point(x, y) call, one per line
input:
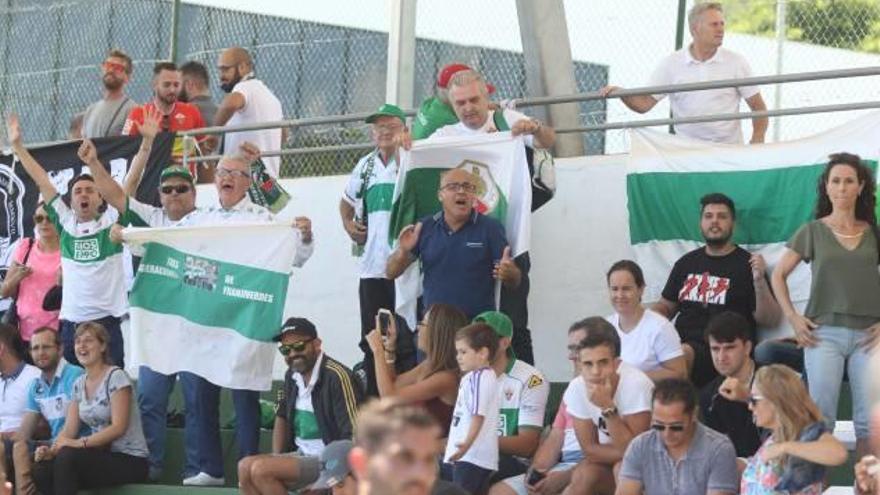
point(575, 238)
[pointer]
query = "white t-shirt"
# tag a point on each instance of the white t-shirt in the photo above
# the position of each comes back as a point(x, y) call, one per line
point(681, 67)
point(653, 341)
point(245, 211)
point(459, 129)
point(94, 275)
point(633, 395)
point(307, 432)
point(15, 394)
point(379, 196)
point(477, 396)
point(260, 105)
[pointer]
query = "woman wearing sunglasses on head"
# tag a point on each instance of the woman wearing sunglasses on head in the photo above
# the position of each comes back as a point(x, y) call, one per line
point(793, 458)
point(34, 270)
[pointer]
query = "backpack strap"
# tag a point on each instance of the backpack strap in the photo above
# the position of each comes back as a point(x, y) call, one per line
point(500, 121)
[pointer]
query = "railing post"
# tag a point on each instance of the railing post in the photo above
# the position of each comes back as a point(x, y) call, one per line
point(175, 28)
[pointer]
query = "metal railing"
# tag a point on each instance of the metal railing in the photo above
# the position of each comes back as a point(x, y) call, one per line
point(580, 97)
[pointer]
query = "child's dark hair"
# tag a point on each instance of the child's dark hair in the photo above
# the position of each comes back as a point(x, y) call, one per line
point(478, 336)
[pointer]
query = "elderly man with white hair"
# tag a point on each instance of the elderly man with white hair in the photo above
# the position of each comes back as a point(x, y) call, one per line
point(233, 179)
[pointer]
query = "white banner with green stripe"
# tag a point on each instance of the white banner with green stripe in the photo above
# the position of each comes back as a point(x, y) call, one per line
point(773, 187)
point(497, 161)
point(209, 300)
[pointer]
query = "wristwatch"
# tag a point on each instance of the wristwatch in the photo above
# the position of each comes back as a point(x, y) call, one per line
point(609, 412)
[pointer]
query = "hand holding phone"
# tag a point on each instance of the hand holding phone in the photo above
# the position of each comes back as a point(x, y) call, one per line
point(535, 476)
point(384, 321)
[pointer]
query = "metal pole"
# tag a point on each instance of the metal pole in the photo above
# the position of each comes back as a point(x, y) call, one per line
point(400, 74)
point(679, 39)
point(175, 27)
point(780, 45)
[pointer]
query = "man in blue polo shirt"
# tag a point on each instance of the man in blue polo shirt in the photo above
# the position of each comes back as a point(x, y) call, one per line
point(462, 252)
point(48, 396)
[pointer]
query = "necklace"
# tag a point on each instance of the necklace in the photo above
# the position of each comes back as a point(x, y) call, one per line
point(848, 236)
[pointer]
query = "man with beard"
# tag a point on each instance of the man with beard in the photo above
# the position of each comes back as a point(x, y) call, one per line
point(94, 276)
point(317, 406)
point(175, 115)
point(195, 89)
point(47, 398)
point(717, 277)
point(106, 117)
point(248, 101)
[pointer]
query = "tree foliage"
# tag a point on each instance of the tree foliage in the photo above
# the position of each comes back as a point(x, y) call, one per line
point(848, 24)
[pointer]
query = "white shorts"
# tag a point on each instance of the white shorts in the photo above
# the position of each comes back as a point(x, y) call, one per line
point(518, 483)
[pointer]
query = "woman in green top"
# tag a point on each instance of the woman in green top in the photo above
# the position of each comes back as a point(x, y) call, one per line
point(840, 322)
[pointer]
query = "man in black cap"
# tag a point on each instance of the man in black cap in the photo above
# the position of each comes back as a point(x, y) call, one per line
point(317, 405)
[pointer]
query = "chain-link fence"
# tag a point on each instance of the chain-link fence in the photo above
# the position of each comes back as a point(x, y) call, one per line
point(50, 51)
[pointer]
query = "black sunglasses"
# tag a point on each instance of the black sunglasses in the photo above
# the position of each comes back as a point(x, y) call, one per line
point(286, 349)
point(179, 189)
point(662, 428)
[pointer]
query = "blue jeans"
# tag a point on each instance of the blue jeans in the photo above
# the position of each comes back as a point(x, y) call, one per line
point(67, 329)
point(780, 351)
point(153, 391)
point(839, 347)
point(247, 425)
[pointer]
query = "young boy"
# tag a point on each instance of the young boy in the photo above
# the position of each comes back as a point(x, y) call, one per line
point(472, 448)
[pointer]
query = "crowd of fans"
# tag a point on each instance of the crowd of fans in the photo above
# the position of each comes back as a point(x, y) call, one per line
point(673, 397)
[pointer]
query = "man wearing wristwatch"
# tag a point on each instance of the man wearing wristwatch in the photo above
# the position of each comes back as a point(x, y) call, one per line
point(469, 97)
point(611, 404)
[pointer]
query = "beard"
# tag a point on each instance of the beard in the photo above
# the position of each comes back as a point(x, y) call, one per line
point(718, 241)
point(111, 82)
point(227, 87)
point(168, 99)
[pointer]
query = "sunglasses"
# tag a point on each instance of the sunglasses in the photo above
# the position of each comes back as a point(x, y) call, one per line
point(672, 428)
point(113, 67)
point(179, 189)
point(754, 399)
point(40, 218)
point(286, 349)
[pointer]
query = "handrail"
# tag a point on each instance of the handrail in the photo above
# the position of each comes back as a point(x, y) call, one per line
point(551, 100)
point(721, 117)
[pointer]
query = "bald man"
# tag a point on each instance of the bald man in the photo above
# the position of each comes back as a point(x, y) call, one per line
point(462, 251)
point(248, 101)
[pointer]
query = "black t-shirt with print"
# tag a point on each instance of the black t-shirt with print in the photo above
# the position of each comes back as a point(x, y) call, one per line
point(704, 286)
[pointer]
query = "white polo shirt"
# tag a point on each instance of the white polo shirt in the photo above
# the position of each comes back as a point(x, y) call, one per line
point(681, 67)
point(14, 394)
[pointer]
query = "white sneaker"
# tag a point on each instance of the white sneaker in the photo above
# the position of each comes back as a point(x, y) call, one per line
point(204, 479)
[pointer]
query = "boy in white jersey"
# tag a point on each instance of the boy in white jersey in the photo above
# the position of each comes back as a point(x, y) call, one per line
point(472, 448)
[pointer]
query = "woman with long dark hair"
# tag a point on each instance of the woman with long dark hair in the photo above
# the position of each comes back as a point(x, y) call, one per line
point(840, 322)
point(433, 383)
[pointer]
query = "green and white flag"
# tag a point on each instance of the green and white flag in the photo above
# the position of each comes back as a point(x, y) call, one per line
point(773, 187)
point(209, 300)
point(497, 160)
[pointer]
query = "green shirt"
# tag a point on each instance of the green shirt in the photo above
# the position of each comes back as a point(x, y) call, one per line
point(433, 114)
point(845, 289)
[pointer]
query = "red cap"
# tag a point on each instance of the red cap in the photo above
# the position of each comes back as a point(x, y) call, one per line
point(449, 70)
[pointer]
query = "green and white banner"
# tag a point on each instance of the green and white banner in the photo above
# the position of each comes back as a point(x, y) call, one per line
point(209, 300)
point(498, 162)
point(773, 186)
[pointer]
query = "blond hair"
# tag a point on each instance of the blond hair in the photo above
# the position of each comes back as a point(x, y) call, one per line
point(795, 410)
point(699, 9)
point(98, 332)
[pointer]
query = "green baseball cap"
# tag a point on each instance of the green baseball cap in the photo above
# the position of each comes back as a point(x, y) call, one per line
point(176, 171)
point(387, 110)
point(499, 322)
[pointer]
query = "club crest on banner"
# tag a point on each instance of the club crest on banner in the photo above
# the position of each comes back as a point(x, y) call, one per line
point(487, 195)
